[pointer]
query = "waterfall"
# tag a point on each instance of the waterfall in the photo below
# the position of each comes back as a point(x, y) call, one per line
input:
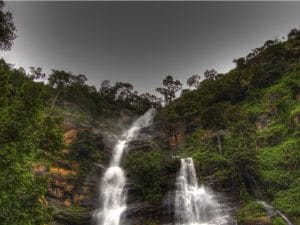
point(194, 204)
point(112, 194)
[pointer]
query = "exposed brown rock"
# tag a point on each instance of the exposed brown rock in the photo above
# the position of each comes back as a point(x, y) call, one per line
point(62, 171)
point(70, 136)
point(39, 169)
point(67, 202)
point(56, 192)
point(263, 220)
point(76, 198)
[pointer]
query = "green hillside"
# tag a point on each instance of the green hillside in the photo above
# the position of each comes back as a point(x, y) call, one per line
point(241, 128)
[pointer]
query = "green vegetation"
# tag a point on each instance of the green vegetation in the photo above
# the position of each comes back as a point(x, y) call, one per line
point(250, 211)
point(278, 221)
point(149, 173)
point(245, 126)
point(241, 128)
point(7, 28)
point(288, 200)
point(28, 135)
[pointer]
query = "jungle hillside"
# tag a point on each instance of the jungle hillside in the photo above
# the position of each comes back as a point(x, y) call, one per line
point(241, 128)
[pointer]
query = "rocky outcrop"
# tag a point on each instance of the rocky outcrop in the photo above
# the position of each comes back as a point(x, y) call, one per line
point(140, 213)
point(72, 197)
point(171, 134)
point(71, 190)
point(64, 216)
point(70, 136)
point(262, 220)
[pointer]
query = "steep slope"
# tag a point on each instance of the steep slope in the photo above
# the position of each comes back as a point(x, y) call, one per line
point(242, 129)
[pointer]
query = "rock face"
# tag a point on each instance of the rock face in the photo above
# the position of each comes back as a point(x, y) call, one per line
point(70, 193)
point(72, 199)
point(172, 134)
point(143, 213)
point(73, 188)
point(162, 213)
point(73, 196)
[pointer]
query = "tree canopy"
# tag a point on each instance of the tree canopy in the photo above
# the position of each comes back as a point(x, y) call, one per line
point(7, 28)
point(170, 88)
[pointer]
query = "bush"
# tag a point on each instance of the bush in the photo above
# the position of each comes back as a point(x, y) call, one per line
point(251, 210)
point(288, 201)
point(278, 220)
point(146, 171)
point(84, 147)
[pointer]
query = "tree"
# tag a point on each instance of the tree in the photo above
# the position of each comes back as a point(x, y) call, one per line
point(120, 91)
point(194, 81)
point(7, 29)
point(80, 79)
point(36, 73)
point(152, 99)
point(107, 91)
point(26, 136)
point(124, 91)
point(240, 62)
point(170, 89)
point(294, 33)
point(210, 74)
point(59, 80)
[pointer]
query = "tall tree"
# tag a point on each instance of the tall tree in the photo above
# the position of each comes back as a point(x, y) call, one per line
point(124, 91)
point(107, 91)
point(7, 29)
point(152, 100)
point(80, 79)
point(59, 80)
point(170, 88)
point(194, 81)
point(36, 73)
point(210, 74)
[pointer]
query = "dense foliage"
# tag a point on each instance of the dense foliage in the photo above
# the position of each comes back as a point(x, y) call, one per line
point(27, 135)
point(151, 174)
point(242, 128)
point(7, 28)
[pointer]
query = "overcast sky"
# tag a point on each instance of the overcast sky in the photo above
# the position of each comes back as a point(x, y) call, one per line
point(142, 42)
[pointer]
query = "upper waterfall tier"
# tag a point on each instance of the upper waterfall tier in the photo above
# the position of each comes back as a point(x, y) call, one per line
point(112, 195)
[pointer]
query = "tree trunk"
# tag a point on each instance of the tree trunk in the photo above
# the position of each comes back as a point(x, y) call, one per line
point(219, 144)
point(54, 100)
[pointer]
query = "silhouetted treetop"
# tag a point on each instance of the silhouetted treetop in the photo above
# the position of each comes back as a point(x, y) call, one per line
point(7, 28)
point(170, 88)
point(194, 81)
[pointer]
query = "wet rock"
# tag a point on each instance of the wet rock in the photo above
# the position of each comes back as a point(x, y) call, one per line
point(263, 220)
point(64, 216)
point(141, 145)
point(141, 212)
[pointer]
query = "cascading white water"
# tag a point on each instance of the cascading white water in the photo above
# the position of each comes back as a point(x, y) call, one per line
point(194, 205)
point(113, 181)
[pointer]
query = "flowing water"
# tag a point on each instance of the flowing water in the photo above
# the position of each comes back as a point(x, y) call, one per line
point(194, 204)
point(112, 194)
point(273, 212)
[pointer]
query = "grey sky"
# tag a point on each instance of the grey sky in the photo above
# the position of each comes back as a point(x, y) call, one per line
point(142, 42)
